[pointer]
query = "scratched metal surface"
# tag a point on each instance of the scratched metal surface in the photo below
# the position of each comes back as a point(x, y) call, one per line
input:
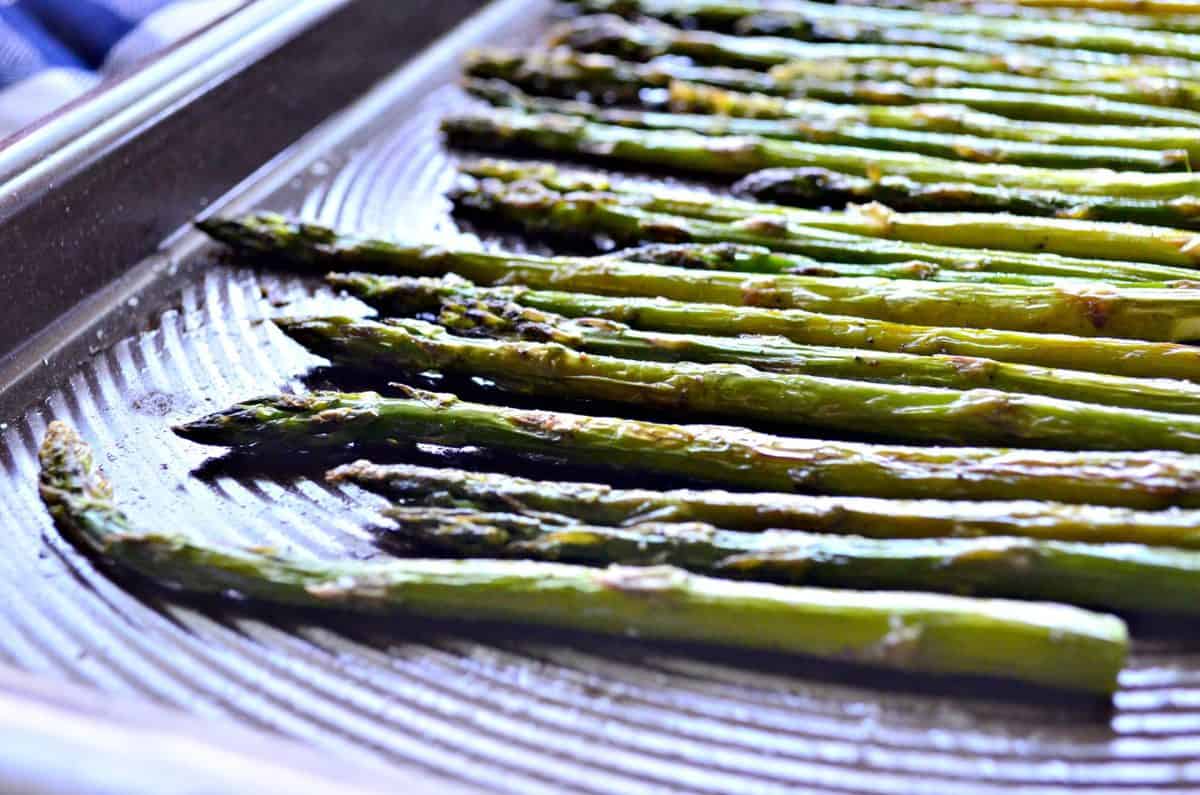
point(500, 708)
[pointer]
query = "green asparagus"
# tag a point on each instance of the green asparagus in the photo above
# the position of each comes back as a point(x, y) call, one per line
point(1137, 6)
point(701, 99)
point(575, 215)
point(756, 259)
point(995, 93)
point(566, 73)
point(865, 516)
point(398, 294)
point(994, 90)
point(1068, 237)
point(919, 271)
point(804, 19)
point(767, 24)
point(737, 156)
point(712, 453)
point(311, 246)
point(821, 187)
point(649, 39)
point(1175, 23)
point(1082, 106)
point(1046, 644)
point(976, 416)
point(480, 311)
point(1106, 576)
point(948, 145)
point(1078, 308)
point(1089, 307)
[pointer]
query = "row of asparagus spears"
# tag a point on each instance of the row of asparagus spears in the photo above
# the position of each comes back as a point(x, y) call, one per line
point(1027, 550)
point(1043, 643)
point(982, 546)
point(1012, 270)
point(1023, 129)
point(470, 523)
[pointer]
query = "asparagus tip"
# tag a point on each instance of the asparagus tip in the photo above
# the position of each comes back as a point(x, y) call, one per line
point(348, 473)
point(67, 468)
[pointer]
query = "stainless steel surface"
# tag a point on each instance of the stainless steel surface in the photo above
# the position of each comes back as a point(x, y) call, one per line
point(62, 740)
point(499, 708)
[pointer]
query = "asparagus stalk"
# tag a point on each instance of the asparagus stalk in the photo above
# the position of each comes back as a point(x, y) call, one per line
point(575, 214)
point(751, 512)
point(756, 259)
point(1083, 106)
point(480, 311)
point(802, 19)
point(716, 454)
point(1046, 644)
point(312, 246)
point(694, 97)
point(822, 187)
point(1143, 90)
point(649, 39)
point(948, 145)
point(738, 156)
point(759, 259)
point(1175, 23)
point(402, 295)
point(1138, 6)
point(1081, 308)
point(1106, 576)
point(749, 256)
point(768, 24)
point(1068, 237)
point(994, 88)
point(820, 71)
point(567, 73)
point(976, 416)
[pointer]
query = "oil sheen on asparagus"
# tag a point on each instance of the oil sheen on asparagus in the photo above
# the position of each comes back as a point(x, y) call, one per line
point(1043, 643)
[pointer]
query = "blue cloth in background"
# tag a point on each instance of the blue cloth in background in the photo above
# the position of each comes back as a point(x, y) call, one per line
point(27, 48)
point(89, 28)
point(51, 51)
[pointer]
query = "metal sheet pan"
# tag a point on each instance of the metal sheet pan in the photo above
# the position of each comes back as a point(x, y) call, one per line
point(127, 339)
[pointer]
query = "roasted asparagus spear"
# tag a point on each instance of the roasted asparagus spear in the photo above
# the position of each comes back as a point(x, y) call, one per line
point(805, 20)
point(716, 454)
point(1085, 309)
point(954, 146)
point(566, 73)
point(315, 247)
point(696, 98)
point(403, 295)
point(1045, 643)
point(978, 416)
point(1083, 242)
point(648, 38)
point(865, 516)
point(1105, 576)
point(820, 187)
point(734, 156)
point(489, 312)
